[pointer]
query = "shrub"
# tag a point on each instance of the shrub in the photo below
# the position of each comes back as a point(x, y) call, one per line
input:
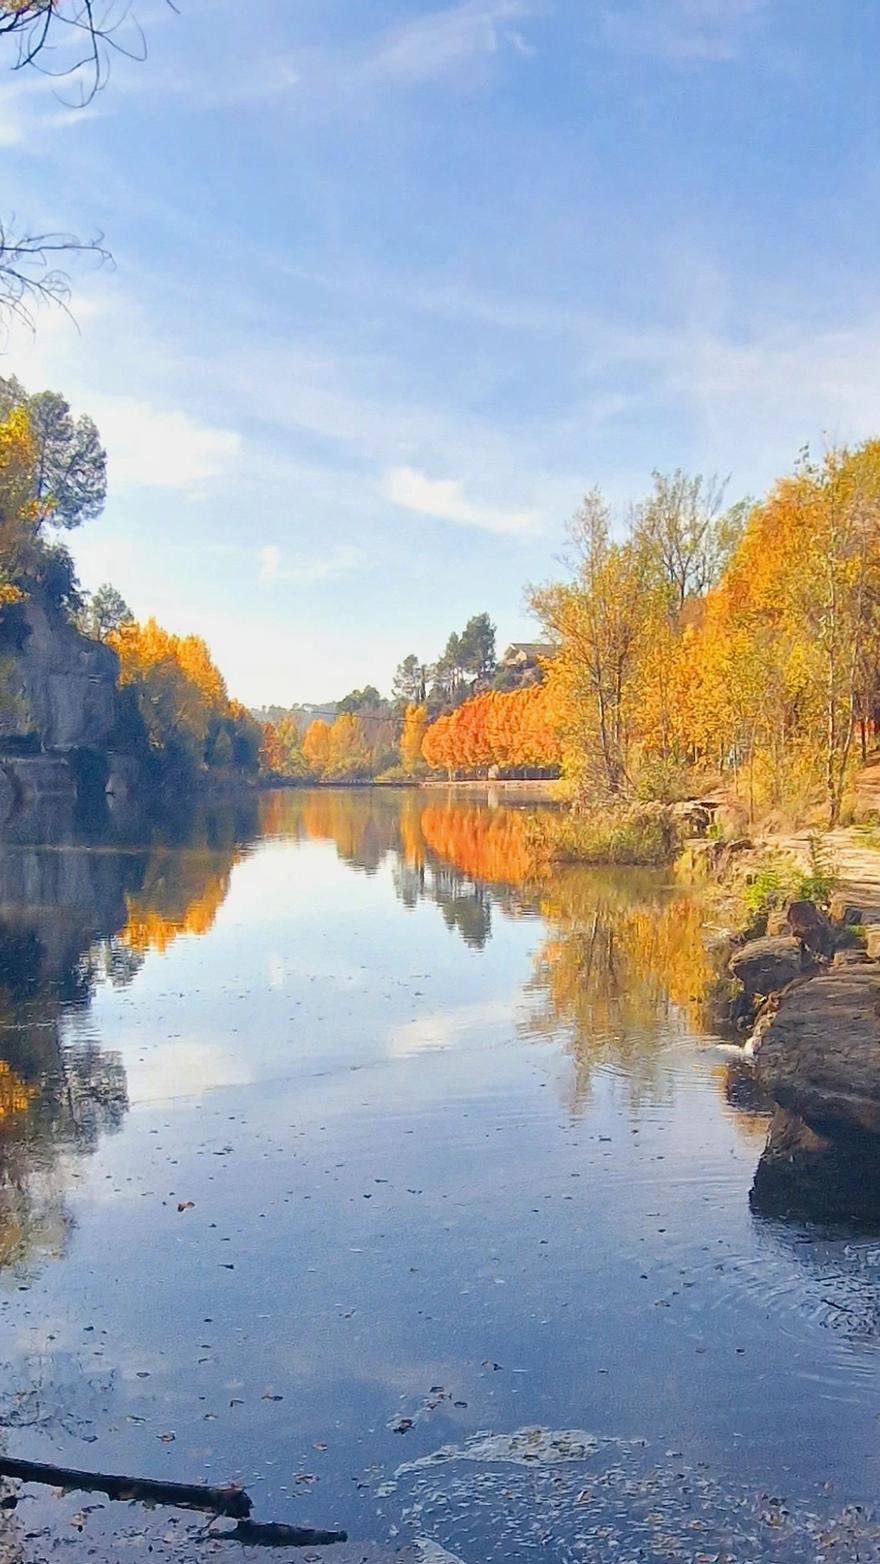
point(661, 780)
point(644, 834)
point(820, 880)
point(766, 889)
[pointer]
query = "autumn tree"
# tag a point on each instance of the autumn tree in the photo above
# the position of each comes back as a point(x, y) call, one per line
point(348, 755)
point(316, 745)
point(176, 707)
point(18, 514)
point(597, 622)
point(415, 720)
point(69, 475)
point(685, 524)
point(512, 730)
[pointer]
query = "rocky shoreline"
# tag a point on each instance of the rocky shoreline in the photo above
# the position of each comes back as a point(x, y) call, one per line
point(805, 999)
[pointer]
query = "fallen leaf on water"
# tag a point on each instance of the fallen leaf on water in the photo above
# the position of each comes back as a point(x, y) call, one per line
point(185, 1205)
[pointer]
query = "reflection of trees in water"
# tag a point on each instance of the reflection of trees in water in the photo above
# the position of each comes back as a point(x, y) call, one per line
point(463, 857)
point(622, 965)
point(70, 919)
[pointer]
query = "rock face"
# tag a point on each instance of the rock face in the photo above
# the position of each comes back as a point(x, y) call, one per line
point(58, 687)
point(764, 966)
point(692, 817)
point(820, 1055)
point(808, 1177)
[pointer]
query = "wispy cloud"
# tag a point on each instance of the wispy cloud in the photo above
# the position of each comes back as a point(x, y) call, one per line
point(338, 561)
point(442, 41)
point(29, 108)
point(445, 499)
point(683, 31)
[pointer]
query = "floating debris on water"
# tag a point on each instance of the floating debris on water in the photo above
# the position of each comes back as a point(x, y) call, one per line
point(574, 1496)
point(525, 1447)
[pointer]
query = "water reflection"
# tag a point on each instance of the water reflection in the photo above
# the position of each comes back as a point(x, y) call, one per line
point(73, 917)
point(382, 1174)
point(465, 858)
point(619, 970)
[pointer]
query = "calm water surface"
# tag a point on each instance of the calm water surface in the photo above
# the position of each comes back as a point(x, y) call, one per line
point(458, 1159)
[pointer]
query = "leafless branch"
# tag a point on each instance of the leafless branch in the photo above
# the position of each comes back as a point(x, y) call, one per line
point(73, 37)
point(29, 273)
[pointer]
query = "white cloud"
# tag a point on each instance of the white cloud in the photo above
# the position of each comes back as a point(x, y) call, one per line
point(683, 30)
point(444, 1028)
point(338, 561)
point(184, 1068)
point(270, 560)
point(441, 41)
point(445, 499)
point(151, 447)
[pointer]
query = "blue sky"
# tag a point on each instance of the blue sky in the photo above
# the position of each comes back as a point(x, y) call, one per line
point(395, 283)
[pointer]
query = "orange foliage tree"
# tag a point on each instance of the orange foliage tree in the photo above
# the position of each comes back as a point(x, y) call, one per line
point(512, 730)
point(179, 698)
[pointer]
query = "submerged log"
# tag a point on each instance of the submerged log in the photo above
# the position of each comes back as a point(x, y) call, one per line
point(275, 1534)
point(232, 1501)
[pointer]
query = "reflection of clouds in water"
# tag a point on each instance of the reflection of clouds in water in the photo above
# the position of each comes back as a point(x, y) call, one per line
point(184, 1069)
point(444, 1028)
point(287, 879)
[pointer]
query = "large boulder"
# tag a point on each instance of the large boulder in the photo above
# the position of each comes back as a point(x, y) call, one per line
point(764, 966)
point(808, 1177)
point(807, 923)
point(820, 1055)
point(59, 687)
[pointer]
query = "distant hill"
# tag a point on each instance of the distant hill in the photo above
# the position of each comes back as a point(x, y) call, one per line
point(302, 715)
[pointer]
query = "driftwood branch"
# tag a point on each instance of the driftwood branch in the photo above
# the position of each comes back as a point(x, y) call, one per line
point(273, 1534)
point(230, 1501)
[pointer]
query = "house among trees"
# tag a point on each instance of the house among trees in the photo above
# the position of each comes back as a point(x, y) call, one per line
point(521, 663)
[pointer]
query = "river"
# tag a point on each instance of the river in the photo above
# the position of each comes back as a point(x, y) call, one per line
point(338, 1159)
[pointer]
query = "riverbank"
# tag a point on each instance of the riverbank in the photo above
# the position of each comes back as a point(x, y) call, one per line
point(528, 790)
point(803, 918)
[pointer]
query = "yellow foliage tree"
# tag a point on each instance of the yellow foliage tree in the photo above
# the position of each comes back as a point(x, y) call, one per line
point(415, 722)
point(316, 745)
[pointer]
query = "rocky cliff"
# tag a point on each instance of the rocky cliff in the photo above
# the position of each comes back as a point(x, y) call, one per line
point(58, 710)
point(59, 687)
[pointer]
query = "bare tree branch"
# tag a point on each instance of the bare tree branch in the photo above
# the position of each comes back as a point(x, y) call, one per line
point(29, 274)
point(73, 37)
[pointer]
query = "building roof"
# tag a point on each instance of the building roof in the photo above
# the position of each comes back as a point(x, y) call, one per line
point(532, 649)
